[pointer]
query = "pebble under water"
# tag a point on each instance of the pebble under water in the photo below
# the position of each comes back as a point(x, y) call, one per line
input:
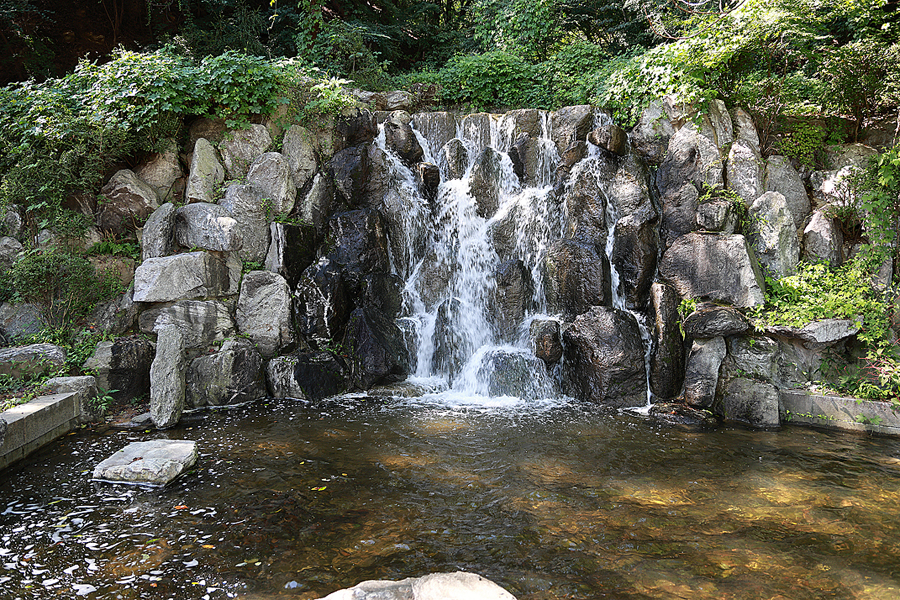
point(550, 500)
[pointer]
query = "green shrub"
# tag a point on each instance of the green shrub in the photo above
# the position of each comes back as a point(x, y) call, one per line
point(493, 79)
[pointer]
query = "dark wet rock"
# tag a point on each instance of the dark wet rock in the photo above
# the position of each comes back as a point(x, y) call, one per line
point(437, 127)
point(316, 207)
point(450, 348)
point(634, 254)
point(629, 191)
point(158, 232)
point(350, 128)
point(207, 226)
point(167, 378)
point(206, 175)
point(128, 202)
point(233, 375)
point(667, 351)
point(577, 278)
point(154, 462)
point(376, 349)
point(454, 158)
point(292, 250)
point(484, 183)
point(512, 298)
point(711, 320)
point(401, 139)
point(756, 357)
point(516, 374)
point(477, 129)
point(434, 278)
point(575, 153)
point(680, 414)
point(382, 292)
point(122, 367)
point(428, 176)
point(321, 302)
point(702, 373)
point(20, 362)
point(357, 240)
point(518, 154)
point(611, 138)
point(586, 212)
point(523, 120)
point(604, 359)
point(241, 147)
point(252, 210)
point(754, 403)
point(306, 375)
point(718, 267)
point(263, 312)
point(570, 124)
point(349, 169)
point(546, 339)
point(201, 322)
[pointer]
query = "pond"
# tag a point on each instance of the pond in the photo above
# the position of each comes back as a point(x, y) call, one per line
point(551, 500)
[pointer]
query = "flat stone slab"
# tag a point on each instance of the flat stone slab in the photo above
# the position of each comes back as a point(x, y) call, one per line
point(154, 463)
point(838, 412)
point(436, 586)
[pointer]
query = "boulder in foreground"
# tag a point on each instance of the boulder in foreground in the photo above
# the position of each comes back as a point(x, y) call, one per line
point(436, 586)
point(155, 463)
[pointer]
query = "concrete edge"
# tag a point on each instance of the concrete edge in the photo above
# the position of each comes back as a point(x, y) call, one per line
point(37, 423)
point(838, 412)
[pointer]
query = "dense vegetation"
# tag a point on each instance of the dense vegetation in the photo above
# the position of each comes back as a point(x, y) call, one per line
point(810, 72)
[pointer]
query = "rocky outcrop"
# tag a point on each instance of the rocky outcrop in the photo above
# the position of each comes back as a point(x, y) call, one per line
point(650, 137)
point(185, 276)
point(576, 278)
point(201, 322)
point(375, 347)
point(304, 375)
point(783, 178)
point(233, 375)
point(512, 298)
point(159, 232)
point(251, 210)
point(291, 251)
point(272, 174)
point(774, 236)
point(745, 171)
point(127, 202)
point(299, 151)
point(823, 240)
point(711, 320)
point(207, 174)
point(208, 227)
point(634, 255)
point(264, 312)
point(484, 184)
point(399, 137)
point(515, 373)
point(568, 124)
point(162, 172)
point(240, 148)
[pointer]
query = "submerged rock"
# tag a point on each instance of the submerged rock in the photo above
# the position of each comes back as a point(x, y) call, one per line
point(679, 414)
point(754, 403)
point(155, 462)
point(515, 373)
point(437, 586)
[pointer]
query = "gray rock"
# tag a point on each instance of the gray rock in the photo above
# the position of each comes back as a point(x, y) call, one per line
point(691, 158)
point(819, 334)
point(546, 340)
point(292, 250)
point(352, 127)
point(248, 206)
point(854, 155)
point(682, 415)
point(374, 100)
point(718, 215)
point(744, 171)
point(774, 236)
point(437, 127)
point(20, 362)
point(667, 349)
point(20, 320)
point(122, 367)
point(678, 112)
point(586, 211)
point(680, 210)
point(206, 175)
point(823, 240)
point(11, 222)
point(568, 124)
point(167, 378)
point(86, 389)
point(454, 159)
point(162, 170)
point(634, 254)
point(755, 357)
point(397, 100)
point(783, 178)
point(116, 316)
point(718, 267)
point(476, 128)
point(744, 128)
point(512, 297)
point(377, 352)
point(264, 312)
point(233, 375)
point(311, 376)
point(159, 232)
point(630, 188)
point(611, 138)
point(576, 278)
point(207, 226)
point(530, 120)
point(514, 373)
point(154, 463)
point(316, 207)
point(524, 154)
point(201, 323)
point(650, 137)
point(754, 403)
point(185, 276)
point(604, 359)
point(451, 349)
point(128, 201)
point(271, 172)
point(428, 178)
point(299, 151)
point(719, 122)
point(702, 373)
point(9, 251)
point(241, 148)
point(710, 320)
point(358, 241)
point(484, 183)
point(400, 138)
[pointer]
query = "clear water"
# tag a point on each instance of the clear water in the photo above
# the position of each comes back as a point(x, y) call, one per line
point(551, 500)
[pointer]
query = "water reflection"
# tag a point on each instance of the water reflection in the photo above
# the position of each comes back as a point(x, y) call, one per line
point(551, 501)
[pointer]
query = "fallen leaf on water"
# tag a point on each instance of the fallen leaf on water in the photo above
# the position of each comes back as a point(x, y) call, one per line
point(207, 546)
point(319, 489)
point(181, 507)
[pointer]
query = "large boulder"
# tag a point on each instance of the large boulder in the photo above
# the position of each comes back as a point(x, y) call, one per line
point(264, 312)
point(401, 139)
point(310, 376)
point(754, 403)
point(512, 298)
point(650, 137)
point(321, 303)
point(167, 378)
point(248, 205)
point(272, 174)
point(9, 250)
point(240, 148)
point(753, 356)
point(484, 183)
point(576, 278)
point(611, 138)
point(634, 255)
point(116, 316)
point(316, 207)
point(20, 320)
point(208, 227)
point(476, 128)
point(717, 267)
point(201, 322)
point(358, 242)
point(291, 251)
point(717, 215)
point(823, 240)
point(546, 340)
point(717, 125)
point(350, 169)
point(712, 320)
point(162, 170)
point(774, 235)
point(122, 367)
point(744, 171)
point(185, 276)
point(680, 210)
point(629, 190)
point(233, 375)
point(128, 201)
point(376, 349)
point(300, 152)
point(352, 127)
point(783, 178)
point(744, 129)
point(569, 124)
point(206, 175)
point(586, 211)
point(692, 158)
point(453, 159)
point(159, 232)
point(604, 358)
point(667, 349)
point(702, 373)
point(20, 362)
